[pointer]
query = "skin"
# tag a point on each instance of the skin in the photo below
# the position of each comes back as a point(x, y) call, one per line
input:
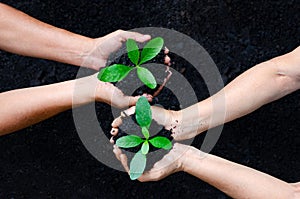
point(259, 85)
point(24, 35)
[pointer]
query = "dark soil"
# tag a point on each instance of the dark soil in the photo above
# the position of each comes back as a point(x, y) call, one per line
point(49, 160)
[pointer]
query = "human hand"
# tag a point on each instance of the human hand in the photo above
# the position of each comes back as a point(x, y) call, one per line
point(89, 89)
point(108, 93)
point(182, 124)
point(102, 47)
point(171, 163)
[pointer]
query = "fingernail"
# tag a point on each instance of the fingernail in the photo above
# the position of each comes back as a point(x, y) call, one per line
point(166, 50)
point(167, 59)
point(112, 140)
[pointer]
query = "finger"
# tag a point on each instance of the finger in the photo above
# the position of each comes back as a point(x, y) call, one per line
point(124, 162)
point(122, 101)
point(128, 112)
point(167, 60)
point(148, 96)
point(117, 122)
point(117, 151)
point(156, 172)
point(166, 50)
point(114, 131)
point(135, 35)
point(121, 157)
point(151, 175)
point(160, 170)
point(133, 100)
point(112, 140)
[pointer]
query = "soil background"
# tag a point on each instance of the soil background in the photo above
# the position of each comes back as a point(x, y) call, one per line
point(48, 160)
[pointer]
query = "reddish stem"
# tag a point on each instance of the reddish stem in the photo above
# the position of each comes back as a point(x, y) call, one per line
point(164, 82)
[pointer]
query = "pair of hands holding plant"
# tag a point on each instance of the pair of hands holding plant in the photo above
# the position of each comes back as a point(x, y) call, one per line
point(172, 162)
point(102, 48)
point(25, 35)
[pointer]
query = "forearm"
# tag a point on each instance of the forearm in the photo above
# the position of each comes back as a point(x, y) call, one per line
point(24, 35)
point(23, 107)
point(236, 180)
point(254, 88)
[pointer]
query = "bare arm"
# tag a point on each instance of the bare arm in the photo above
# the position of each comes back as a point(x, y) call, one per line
point(235, 180)
point(24, 35)
point(23, 107)
point(254, 88)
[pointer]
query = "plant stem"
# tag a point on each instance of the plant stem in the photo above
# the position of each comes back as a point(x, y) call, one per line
point(164, 82)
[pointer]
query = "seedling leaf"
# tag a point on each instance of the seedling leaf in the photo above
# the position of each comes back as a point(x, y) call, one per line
point(146, 77)
point(151, 49)
point(143, 113)
point(145, 132)
point(129, 141)
point(133, 51)
point(114, 73)
point(161, 142)
point(137, 165)
point(145, 147)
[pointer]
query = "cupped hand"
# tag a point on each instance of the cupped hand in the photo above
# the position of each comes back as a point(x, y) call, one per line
point(182, 125)
point(171, 163)
point(107, 92)
point(102, 47)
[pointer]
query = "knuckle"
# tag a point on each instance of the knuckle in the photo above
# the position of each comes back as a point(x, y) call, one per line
point(120, 31)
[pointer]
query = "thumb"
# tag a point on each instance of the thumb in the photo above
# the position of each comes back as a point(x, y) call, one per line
point(133, 100)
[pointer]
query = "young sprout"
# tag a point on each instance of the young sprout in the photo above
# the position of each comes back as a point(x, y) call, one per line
point(117, 72)
point(143, 116)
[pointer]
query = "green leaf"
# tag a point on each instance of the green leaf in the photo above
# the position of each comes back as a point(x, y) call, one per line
point(114, 73)
point(146, 77)
point(129, 141)
point(137, 165)
point(133, 51)
point(151, 49)
point(161, 142)
point(145, 132)
point(145, 147)
point(143, 113)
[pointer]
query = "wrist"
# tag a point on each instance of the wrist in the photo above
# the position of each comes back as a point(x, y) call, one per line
point(192, 158)
point(84, 90)
point(198, 114)
point(91, 54)
point(80, 51)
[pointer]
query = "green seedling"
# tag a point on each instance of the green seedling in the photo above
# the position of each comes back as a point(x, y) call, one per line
point(117, 72)
point(143, 115)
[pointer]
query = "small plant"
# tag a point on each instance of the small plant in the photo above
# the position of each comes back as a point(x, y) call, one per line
point(117, 72)
point(143, 116)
